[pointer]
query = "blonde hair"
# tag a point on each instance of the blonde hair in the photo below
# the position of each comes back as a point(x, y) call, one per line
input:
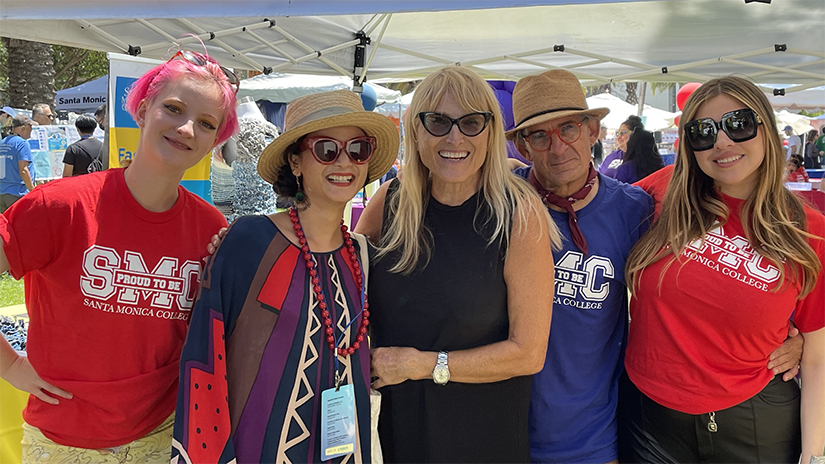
point(503, 191)
point(773, 218)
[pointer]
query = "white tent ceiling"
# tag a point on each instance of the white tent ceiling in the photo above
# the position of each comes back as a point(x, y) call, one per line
point(782, 42)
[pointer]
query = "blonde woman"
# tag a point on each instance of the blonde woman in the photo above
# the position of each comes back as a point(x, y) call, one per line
point(731, 258)
point(461, 292)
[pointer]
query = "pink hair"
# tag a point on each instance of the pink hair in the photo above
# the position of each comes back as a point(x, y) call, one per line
point(148, 86)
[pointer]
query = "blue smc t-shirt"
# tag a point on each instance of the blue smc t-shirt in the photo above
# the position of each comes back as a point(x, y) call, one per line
point(573, 405)
point(12, 150)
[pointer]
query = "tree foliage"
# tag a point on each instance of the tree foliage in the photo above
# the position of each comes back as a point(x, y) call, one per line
point(72, 67)
point(75, 66)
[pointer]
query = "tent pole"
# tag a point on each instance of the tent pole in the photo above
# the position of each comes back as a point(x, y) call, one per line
point(774, 68)
point(319, 54)
point(374, 49)
point(793, 66)
point(316, 54)
point(206, 36)
point(123, 46)
point(157, 30)
point(579, 73)
point(641, 95)
point(255, 65)
point(272, 46)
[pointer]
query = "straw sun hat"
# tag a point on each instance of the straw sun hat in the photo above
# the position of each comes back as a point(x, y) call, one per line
point(324, 110)
point(550, 95)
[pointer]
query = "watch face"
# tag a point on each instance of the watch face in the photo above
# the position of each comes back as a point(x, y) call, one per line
point(441, 375)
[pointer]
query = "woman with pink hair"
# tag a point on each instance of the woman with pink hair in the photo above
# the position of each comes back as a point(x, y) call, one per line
point(111, 263)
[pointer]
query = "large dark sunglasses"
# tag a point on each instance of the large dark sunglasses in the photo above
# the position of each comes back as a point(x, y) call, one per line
point(439, 125)
point(739, 125)
point(326, 150)
point(199, 59)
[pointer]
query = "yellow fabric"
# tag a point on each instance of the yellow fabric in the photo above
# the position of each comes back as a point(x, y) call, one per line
point(155, 448)
point(12, 402)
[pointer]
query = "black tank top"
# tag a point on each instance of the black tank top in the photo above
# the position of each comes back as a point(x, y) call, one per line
point(456, 301)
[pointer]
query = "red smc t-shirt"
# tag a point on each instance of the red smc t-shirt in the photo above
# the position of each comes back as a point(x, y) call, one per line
point(109, 290)
point(701, 342)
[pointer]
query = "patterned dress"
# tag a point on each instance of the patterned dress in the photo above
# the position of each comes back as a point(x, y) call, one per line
point(256, 359)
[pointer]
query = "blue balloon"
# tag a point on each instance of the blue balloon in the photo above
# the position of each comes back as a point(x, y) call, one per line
point(369, 98)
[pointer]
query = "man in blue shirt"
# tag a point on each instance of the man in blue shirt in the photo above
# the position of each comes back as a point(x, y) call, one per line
point(15, 162)
point(574, 397)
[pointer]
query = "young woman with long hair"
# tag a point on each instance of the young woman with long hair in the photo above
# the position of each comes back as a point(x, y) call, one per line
point(641, 159)
point(732, 257)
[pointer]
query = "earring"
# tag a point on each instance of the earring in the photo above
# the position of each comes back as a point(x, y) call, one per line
point(301, 200)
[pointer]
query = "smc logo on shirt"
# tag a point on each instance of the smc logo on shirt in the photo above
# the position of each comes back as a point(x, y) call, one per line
point(577, 277)
point(734, 258)
point(168, 290)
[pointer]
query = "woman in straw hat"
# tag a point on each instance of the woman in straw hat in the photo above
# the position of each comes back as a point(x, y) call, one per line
point(277, 337)
point(732, 256)
point(462, 287)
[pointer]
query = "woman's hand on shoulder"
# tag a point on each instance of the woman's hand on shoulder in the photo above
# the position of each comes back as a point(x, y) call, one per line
point(215, 242)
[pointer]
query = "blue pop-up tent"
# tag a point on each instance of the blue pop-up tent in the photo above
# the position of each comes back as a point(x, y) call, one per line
point(85, 98)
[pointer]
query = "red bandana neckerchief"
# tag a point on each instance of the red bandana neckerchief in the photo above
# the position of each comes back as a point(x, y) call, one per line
point(567, 204)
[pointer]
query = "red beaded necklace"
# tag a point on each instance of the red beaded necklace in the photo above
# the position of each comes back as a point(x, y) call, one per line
point(319, 294)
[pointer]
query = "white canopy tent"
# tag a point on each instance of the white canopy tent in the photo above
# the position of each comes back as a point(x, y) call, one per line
point(283, 88)
point(601, 41)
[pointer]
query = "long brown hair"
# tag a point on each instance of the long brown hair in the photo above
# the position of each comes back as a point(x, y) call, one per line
point(773, 218)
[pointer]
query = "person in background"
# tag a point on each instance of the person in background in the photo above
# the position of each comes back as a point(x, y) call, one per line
point(85, 155)
point(811, 160)
point(597, 150)
point(6, 115)
point(612, 162)
point(390, 175)
point(102, 122)
point(100, 116)
point(795, 171)
point(461, 290)
point(820, 145)
point(42, 114)
point(732, 257)
point(111, 262)
point(641, 159)
point(794, 143)
point(16, 156)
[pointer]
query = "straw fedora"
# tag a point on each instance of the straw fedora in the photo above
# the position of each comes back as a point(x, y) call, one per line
point(323, 110)
point(550, 95)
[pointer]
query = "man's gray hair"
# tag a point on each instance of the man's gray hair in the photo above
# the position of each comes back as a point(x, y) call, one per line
point(40, 109)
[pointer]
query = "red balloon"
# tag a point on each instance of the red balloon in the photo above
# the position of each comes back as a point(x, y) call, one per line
point(684, 92)
point(677, 119)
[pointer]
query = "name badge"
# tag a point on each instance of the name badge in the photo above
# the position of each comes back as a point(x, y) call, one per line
point(337, 422)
